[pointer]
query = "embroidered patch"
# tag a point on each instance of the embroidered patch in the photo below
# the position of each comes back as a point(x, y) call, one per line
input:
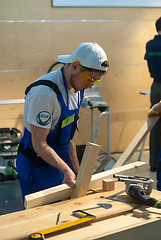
point(43, 118)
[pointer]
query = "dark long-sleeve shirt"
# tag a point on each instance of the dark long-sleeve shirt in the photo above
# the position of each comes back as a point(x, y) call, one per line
point(153, 57)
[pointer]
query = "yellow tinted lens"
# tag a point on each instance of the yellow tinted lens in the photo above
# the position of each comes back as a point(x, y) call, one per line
point(86, 78)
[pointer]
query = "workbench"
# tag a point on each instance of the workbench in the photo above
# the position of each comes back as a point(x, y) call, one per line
point(114, 223)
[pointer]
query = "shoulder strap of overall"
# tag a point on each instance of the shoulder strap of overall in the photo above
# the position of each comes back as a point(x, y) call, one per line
point(46, 83)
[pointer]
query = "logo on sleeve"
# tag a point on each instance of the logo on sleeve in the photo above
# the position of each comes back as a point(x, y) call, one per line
point(43, 118)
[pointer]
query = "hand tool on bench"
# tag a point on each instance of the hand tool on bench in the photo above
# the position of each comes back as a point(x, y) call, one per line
point(99, 205)
point(116, 194)
point(136, 192)
point(112, 197)
point(83, 217)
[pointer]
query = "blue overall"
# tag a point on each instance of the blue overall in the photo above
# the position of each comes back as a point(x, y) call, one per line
point(35, 178)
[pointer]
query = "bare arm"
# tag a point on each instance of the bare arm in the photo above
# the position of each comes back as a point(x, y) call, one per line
point(72, 157)
point(41, 147)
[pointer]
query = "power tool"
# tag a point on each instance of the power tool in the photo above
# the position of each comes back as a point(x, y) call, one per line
point(136, 192)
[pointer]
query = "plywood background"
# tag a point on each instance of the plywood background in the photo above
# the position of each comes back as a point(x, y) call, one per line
point(33, 34)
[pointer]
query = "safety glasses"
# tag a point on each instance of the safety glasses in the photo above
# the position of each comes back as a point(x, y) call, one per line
point(85, 76)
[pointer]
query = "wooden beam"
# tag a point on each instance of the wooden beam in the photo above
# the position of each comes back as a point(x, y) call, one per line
point(86, 170)
point(137, 140)
point(135, 168)
point(62, 192)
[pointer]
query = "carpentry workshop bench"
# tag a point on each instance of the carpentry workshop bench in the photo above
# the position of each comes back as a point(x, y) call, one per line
point(98, 208)
point(116, 221)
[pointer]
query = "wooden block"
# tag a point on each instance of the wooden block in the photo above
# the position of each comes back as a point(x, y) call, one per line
point(108, 184)
point(86, 170)
point(137, 140)
point(140, 212)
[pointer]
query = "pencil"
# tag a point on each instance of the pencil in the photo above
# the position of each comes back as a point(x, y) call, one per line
point(58, 217)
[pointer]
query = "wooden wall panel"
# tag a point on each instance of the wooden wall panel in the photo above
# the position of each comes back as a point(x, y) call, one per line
point(29, 46)
point(13, 83)
point(26, 45)
point(41, 9)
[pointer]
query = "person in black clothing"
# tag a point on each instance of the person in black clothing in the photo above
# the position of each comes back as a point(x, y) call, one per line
point(153, 57)
point(156, 111)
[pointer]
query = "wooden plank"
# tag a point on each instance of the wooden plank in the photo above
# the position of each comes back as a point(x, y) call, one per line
point(63, 191)
point(20, 224)
point(137, 140)
point(136, 168)
point(86, 170)
point(122, 227)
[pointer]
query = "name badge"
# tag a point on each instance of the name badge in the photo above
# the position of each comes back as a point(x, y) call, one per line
point(67, 121)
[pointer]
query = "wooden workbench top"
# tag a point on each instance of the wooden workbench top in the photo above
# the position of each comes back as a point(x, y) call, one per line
point(20, 225)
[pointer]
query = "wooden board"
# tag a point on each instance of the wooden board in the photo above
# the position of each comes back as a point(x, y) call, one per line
point(63, 191)
point(19, 225)
point(86, 170)
point(137, 140)
point(135, 168)
point(122, 227)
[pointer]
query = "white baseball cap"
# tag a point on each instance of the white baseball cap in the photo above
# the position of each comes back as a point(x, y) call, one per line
point(88, 54)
